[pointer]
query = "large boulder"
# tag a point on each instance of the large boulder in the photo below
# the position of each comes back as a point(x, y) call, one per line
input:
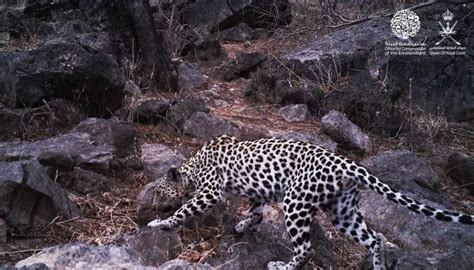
point(460, 167)
point(85, 256)
point(321, 140)
point(158, 159)
point(376, 88)
point(154, 246)
point(29, 198)
point(341, 129)
point(413, 232)
point(118, 134)
point(80, 161)
point(206, 127)
point(151, 111)
point(403, 170)
point(61, 69)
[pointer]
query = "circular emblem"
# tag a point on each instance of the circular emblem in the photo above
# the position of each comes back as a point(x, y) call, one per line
point(405, 24)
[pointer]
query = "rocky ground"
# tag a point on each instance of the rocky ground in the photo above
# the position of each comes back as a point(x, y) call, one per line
point(84, 142)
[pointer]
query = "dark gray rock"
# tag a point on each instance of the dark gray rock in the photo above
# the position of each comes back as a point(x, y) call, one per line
point(60, 69)
point(271, 83)
point(364, 101)
point(12, 123)
point(413, 176)
point(190, 76)
point(158, 159)
point(29, 198)
point(3, 231)
point(239, 33)
point(243, 66)
point(179, 264)
point(182, 109)
point(151, 111)
point(206, 127)
point(154, 246)
point(341, 129)
point(58, 161)
point(460, 167)
point(81, 146)
point(309, 137)
point(84, 256)
point(118, 134)
point(83, 181)
point(455, 258)
point(267, 242)
point(294, 113)
point(207, 52)
point(403, 170)
point(203, 17)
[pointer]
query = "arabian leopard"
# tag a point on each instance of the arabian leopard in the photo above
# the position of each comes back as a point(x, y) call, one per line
point(302, 175)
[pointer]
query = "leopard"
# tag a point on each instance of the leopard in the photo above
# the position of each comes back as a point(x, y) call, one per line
point(304, 177)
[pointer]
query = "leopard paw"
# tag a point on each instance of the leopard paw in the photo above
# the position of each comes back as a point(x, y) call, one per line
point(277, 265)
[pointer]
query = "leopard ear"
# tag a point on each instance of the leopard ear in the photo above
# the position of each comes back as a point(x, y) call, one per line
point(173, 175)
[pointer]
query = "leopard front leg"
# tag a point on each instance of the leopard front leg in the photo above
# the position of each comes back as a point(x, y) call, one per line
point(202, 202)
point(254, 216)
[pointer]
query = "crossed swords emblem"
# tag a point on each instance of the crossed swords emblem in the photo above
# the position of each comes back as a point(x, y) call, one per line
point(447, 32)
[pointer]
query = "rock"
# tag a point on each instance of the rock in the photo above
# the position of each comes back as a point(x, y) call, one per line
point(28, 197)
point(460, 167)
point(3, 231)
point(154, 246)
point(151, 111)
point(368, 104)
point(206, 127)
point(182, 109)
point(239, 33)
point(309, 137)
point(80, 160)
point(271, 83)
point(341, 129)
point(12, 123)
point(294, 113)
point(243, 65)
point(178, 264)
point(158, 159)
point(361, 47)
point(85, 256)
point(57, 160)
point(455, 258)
point(252, 132)
point(56, 70)
point(189, 76)
point(118, 134)
point(208, 51)
point(413, 176)
point(403, 170)
point(203, 16)
point(86, 153)
point(83, 182)
point(36, 266)
point(267, 242)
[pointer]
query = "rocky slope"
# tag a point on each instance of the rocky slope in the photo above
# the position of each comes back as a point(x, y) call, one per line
point(84, 143)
